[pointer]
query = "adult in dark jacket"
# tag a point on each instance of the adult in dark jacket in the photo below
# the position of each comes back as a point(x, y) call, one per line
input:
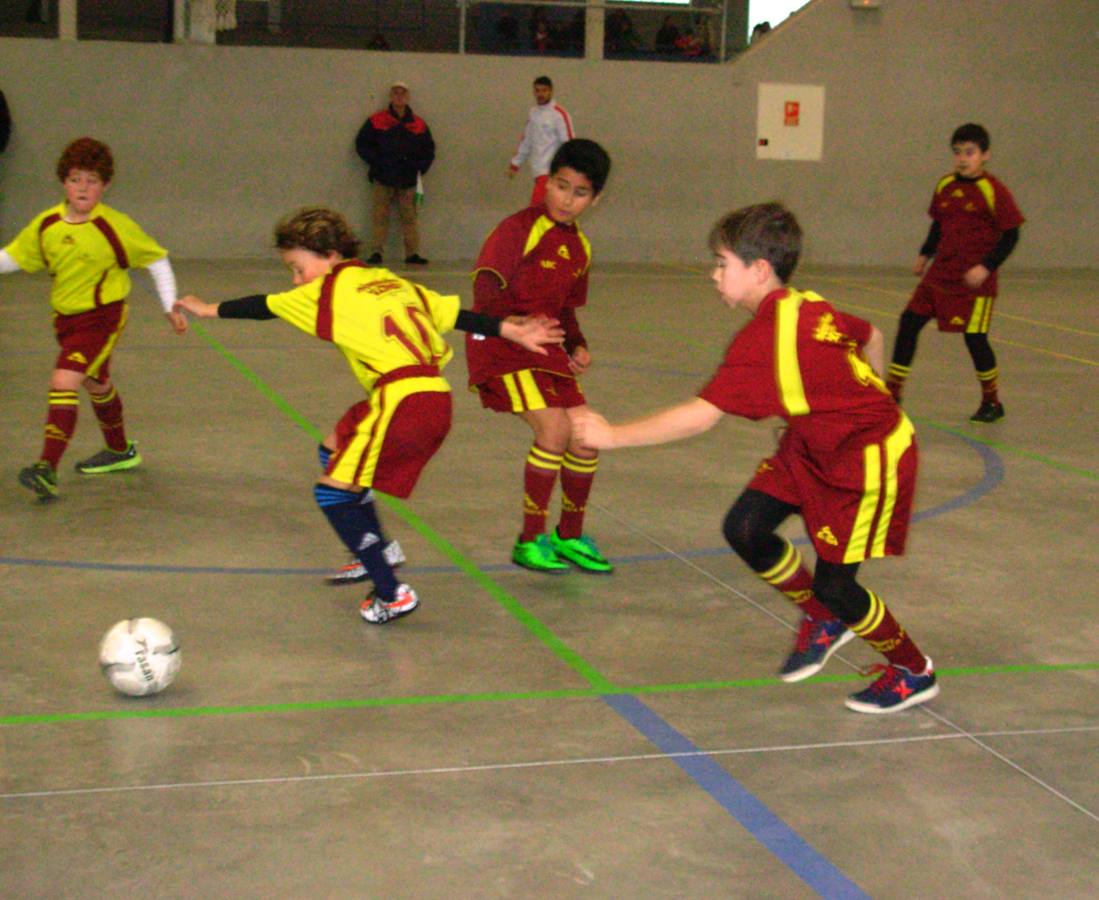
point(397, 146)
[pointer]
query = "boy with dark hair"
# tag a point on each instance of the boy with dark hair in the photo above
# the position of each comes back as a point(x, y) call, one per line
point(846, 461)
point(88, 248)
point(390, 330)
point(536, 262)
point(974, 227)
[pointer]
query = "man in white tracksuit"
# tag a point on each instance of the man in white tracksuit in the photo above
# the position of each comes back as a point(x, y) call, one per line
point(548, 127)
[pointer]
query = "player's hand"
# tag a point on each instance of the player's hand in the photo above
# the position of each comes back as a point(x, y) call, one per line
point(511, 171)
point(976, 276)
point(591, 430)
point(532, 332)
point(579, 361)
point(178, 321)
point(921, 264)
point(196, 307)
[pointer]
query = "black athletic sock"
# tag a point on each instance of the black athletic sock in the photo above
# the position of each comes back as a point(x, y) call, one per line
point(355, 520)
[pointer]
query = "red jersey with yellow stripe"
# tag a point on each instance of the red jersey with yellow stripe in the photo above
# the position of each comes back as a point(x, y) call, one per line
point(972, 214)
point(88, 260)
point(801, 359)
point(383, 325)
point(542, 267)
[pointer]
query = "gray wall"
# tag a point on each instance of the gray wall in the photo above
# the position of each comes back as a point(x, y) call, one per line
point(214, 143)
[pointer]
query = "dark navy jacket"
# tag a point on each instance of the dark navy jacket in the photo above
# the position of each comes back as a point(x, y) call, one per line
point(395, 149)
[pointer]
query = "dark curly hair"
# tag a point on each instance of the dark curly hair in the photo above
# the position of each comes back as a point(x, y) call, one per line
point(318, 229)
point(88, 154)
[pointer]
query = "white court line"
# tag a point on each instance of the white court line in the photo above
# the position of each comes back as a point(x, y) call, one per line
point(545, 764)
point(960, 732)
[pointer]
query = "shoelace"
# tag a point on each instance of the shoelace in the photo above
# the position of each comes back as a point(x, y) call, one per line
point(889, 676)
point(805, 634)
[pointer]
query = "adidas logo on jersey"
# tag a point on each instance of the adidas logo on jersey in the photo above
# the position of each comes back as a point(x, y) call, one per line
point(825, 534)
point(77, 357)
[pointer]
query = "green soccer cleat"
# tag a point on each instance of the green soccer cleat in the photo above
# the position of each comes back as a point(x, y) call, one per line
point(110, 461)
point(40, 478)
point(581, 552)
point(538, 556)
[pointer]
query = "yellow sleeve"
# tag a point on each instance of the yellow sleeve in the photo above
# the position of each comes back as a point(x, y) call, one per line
point(299, 306)
point(26, 249)
point(443, 308)
point(140, 248)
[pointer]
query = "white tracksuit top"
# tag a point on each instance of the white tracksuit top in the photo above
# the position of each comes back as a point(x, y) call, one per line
point(548, 127)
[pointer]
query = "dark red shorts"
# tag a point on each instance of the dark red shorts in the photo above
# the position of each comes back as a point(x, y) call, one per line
point(954, 307)
point(530, 389)
point(857, 504)
point(88, 339)
point(386, 441)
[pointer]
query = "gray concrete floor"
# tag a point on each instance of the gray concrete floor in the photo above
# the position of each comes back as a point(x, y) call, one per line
point(531, 736)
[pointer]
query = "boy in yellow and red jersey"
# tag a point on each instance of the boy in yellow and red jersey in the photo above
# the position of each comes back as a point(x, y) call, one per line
point(846, 461)
point(88, 248)
point(390, 331)
point(536, 262)
point(974, 227)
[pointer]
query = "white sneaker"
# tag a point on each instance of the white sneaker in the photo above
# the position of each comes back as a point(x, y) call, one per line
point(355, 571)
point(378, 612)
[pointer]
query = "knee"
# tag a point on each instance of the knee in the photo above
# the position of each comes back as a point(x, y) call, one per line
point(742, 534)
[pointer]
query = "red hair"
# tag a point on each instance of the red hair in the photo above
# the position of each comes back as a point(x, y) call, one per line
point(88, 154)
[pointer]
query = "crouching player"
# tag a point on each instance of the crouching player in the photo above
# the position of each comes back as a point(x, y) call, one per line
point(846, 462)
point(389, 330)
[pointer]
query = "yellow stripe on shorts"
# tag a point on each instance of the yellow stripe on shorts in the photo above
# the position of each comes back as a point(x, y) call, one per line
point(523, 391)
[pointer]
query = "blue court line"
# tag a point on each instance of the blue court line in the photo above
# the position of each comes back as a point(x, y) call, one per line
point(762, 824)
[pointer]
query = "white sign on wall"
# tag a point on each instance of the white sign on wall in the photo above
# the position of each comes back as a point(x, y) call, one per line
point(790, 121)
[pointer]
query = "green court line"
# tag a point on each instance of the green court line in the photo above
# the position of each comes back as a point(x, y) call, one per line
point(509, 696)
point(563, 652)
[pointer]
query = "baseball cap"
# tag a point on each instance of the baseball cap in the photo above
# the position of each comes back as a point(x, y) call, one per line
point(399, 84)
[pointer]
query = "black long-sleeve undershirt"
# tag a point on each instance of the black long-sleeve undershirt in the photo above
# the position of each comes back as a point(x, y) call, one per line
point(255, 306)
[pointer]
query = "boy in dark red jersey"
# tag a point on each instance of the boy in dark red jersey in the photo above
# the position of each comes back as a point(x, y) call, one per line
point(536, 263)
point(846, 461)
point(974, 227)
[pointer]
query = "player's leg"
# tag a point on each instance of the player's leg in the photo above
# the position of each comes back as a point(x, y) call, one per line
point(410, 232)
point(538, 193)
point(551, 431)
point(984, 362)
point(61, 414)
point(354, 571)
point(904, 351)
point(381, 197)
point(909, 678)
point(120, 453)
point(351, 512)
point(750, 527)
point(578, 468)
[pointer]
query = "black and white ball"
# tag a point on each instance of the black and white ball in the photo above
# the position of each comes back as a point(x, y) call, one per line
point(140, 656)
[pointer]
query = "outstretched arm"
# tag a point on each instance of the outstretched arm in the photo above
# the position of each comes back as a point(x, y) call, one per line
point(251, 307)
point(671, 424)
point(532, 332)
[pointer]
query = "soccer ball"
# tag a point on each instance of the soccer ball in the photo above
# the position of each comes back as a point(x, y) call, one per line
point(139, 656)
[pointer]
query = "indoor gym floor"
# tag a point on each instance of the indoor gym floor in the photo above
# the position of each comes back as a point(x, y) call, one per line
point(524, 735)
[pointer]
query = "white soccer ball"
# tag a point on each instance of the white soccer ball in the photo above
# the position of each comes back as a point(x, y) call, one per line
point(140, 656)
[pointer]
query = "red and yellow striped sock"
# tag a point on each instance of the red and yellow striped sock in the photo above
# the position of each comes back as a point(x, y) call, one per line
point(60, 425)
point(790, 576)
point(884, 633)
point(989, 381)
point(577, 475)
point(108, 409)
point(539, 477)
point(895, 377)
